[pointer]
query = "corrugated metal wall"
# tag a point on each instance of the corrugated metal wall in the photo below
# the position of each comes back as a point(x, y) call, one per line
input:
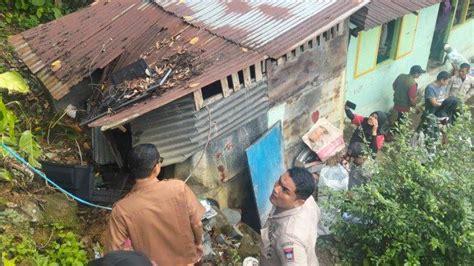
point(179, 131)
point(101, 152)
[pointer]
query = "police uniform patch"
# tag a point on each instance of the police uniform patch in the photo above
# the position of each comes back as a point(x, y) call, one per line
point(289, 254)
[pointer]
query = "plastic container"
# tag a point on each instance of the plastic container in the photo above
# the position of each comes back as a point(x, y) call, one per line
point(76, 179)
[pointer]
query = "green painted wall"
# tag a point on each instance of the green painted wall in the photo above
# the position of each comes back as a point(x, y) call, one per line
point(461, 37)
point(373, 90)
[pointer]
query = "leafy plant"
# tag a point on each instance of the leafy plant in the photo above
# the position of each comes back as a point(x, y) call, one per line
point(417, 209)
point(65, 249)
point(26, 146)
point(27, 14)
point(13, 82)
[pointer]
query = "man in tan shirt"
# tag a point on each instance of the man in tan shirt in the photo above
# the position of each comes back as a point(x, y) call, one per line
point(290, 232)
point(162, 219)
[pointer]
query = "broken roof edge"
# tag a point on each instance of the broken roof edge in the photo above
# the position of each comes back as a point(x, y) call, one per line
point(121, 117)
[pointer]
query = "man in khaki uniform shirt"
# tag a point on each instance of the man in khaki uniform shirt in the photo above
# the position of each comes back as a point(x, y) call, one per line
point(290, 232)
point(462, 85)
point(161, 219)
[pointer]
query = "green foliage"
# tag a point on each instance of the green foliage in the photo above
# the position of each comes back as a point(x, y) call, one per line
point(13, 82)
point(64, 249)
point(27, 14)
point(26, 146)
point(417, 209)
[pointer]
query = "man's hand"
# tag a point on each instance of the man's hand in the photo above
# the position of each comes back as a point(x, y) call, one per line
point(199, 253)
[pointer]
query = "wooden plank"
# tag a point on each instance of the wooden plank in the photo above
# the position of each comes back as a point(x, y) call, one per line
point(225, 87)
point(114, 148)
point(258, 71)
point(198, 100)
point(340, 28)
point(236, 82)
point(247, 77)
point(280, 61)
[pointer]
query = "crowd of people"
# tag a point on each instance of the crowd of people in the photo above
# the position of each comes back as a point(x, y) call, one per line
point(159, 221)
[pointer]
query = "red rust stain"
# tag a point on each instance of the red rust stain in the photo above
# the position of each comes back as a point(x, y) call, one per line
point(238, 7)
point(229, 146)
point(218, 155)
point(274, 11)
point(221, 170)
point(315, 116)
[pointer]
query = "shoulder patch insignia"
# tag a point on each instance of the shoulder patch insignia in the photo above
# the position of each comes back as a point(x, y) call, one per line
point(289, 254)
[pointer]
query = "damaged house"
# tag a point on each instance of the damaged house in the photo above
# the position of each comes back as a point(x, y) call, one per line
point(202, 80)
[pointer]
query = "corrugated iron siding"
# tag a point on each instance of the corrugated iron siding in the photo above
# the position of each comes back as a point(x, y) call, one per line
point(378, 12)
point(101, 152)
point(271, 27)
point(179, 131)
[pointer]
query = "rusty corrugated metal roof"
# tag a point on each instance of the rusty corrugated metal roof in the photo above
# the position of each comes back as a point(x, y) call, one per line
point(81, 42)
point(270, 27)
point(378, 12)
point(93, 37)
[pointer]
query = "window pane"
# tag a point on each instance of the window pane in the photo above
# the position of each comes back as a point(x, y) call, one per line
point(387, 41)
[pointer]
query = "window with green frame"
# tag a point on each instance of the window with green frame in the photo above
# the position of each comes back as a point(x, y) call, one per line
point(464, 11)
point(392, 40)
point(388, 40)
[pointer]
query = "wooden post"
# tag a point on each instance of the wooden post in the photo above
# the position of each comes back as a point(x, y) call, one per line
point(247, 77)
point(235, 81)
point(258, 71)
point(198, 100)
point(225, 87)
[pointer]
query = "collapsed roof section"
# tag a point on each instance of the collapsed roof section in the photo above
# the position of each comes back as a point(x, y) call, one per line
point(213, 40)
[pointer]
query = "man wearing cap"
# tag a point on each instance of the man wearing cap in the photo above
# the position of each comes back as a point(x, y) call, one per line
point(160, 218)
point(405, 88)
point(290, 232)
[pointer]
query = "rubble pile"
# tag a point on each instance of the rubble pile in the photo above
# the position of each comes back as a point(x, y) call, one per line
point(146, 81)
point(227, 239)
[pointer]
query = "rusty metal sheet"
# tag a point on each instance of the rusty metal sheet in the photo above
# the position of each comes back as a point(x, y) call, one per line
point(271, 27)
point(378, 12)
point(93, 37)
point(179, 131)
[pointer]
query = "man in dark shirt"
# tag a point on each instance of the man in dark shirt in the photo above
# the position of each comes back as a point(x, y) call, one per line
point(404, 88)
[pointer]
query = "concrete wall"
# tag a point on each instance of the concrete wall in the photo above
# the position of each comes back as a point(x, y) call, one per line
point(461, 38)
point(308, 84)
point(222, 172)
point(373, 90)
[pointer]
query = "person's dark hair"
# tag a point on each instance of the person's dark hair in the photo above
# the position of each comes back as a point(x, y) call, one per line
point(122, 258)
point(304, 182)
point(443, 75)
point(464, 65)
point(142, 159)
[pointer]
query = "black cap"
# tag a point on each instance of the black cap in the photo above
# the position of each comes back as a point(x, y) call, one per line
point(416, 69)
point(122, 258)
point(356, 149)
